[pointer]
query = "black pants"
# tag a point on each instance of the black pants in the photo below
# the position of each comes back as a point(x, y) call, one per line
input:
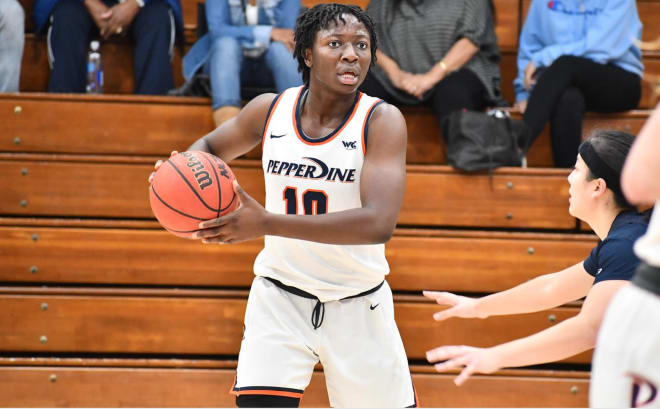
point(461, 89)
point(72, 29)
point(568, 88)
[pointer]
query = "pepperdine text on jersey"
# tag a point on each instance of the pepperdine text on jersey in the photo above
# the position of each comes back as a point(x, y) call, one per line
point(310, 171)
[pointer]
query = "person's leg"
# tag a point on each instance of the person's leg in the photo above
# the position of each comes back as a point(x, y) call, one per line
point(153, 31)
point(566, 127)
point(266, 401)
point(284, 67)
point(224, 66)
point(608, 88)
point(68, 43)
point(277, 355)
point(626, 364)
point(461, 89)
point(366, 366)
point(12, 39)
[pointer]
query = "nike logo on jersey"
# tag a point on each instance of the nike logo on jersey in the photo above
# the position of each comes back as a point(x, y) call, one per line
point(599, 270)
point(317, 170)
point(349, 145)
point(272, 135)
point(373, 307)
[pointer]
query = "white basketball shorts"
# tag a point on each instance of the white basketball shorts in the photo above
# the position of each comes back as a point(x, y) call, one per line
point(355, 339)
point(626, 364)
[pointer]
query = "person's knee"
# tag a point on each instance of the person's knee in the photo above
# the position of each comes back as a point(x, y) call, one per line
point(70, 13)
point(266, 401)
point(228, 46)
point(571, 100)
point(278, 51)
point(156, 16)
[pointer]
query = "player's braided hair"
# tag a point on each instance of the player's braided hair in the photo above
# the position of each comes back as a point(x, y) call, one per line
point(319, 18)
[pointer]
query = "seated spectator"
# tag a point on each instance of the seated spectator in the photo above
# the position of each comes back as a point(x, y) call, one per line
point(595, 198)
point(576, 57)
point(151, 24)
point(12, 39)
point(438, 53)
point(248, 41)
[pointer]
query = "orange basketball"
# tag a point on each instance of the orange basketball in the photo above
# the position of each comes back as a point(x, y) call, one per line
point(191, 187)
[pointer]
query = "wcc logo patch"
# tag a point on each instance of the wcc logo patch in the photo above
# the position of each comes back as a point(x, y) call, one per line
point(349, 145)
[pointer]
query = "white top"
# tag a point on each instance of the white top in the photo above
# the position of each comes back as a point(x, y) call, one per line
point(315, 176)
point(647, 247)
point(251, 14)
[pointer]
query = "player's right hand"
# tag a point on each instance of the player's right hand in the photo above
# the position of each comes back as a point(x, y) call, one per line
point(459, 306)
point(157, 166)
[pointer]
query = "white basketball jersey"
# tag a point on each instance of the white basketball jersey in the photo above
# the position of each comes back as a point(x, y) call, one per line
point(314, 176)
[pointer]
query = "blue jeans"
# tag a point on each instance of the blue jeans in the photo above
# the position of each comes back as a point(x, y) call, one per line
point(226, 62)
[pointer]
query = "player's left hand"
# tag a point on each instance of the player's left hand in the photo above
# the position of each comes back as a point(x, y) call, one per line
point(473, 360)
point(245, 223)
point(418, 84)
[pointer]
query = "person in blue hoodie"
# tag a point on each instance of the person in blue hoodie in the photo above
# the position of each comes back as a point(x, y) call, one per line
point(576, 56)
point(249, 37)
point(71, 24)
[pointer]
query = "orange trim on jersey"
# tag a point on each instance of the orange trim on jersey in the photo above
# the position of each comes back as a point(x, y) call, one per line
point(337, 132)
point(364, 124)
point(268, 392)
point(270, 115)
point(417, 404)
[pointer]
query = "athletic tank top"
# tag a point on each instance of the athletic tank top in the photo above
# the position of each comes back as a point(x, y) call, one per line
point(311, 177)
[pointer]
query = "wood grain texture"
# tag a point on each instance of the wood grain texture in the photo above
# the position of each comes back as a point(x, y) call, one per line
point(162, 324)
point(449, 261)
point(141, 387)
point(435, 196)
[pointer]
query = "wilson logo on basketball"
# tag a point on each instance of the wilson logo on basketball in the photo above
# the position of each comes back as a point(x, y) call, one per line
point(202, 176)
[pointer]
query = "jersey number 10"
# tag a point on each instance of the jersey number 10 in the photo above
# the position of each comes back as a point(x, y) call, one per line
point(314, 201)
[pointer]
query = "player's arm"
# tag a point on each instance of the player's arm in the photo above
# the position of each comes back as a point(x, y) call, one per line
point(238, 135)
point(568, 338)
point(538, 294)
point(382, 184)
point(640, 178)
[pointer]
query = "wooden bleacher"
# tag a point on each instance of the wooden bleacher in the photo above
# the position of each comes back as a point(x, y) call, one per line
point(100, 307)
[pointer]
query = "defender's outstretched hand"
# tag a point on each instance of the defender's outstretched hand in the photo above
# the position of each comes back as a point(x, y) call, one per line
point(245, 223)
point(460, 306)
point(473, 360)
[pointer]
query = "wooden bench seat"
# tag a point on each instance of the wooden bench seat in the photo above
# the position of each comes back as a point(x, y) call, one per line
point(419, 259)
point(144, 125)
point(116, 187)
point(52, 382)
point(202, 322)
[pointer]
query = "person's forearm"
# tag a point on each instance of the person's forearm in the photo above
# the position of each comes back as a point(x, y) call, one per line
point(640, 178)
point(386, 63)
point(456, 57)
point(355, 226)
point(568, 338)
point(534, 295)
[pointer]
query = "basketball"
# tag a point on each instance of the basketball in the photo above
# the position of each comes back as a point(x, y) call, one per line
point(189, 188)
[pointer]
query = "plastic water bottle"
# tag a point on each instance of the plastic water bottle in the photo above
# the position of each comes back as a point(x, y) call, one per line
point(94, 69)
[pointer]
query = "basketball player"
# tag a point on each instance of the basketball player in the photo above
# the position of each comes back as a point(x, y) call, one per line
point(626, 368)
point(595, 198)
point(334, 168)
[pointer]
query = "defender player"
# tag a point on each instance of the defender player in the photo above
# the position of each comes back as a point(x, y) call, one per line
point(334, 167)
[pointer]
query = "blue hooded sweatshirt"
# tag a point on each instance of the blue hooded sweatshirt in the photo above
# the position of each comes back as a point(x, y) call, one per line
point(600, 30)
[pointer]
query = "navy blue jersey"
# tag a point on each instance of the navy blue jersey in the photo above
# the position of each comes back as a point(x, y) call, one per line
point(613, 258)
